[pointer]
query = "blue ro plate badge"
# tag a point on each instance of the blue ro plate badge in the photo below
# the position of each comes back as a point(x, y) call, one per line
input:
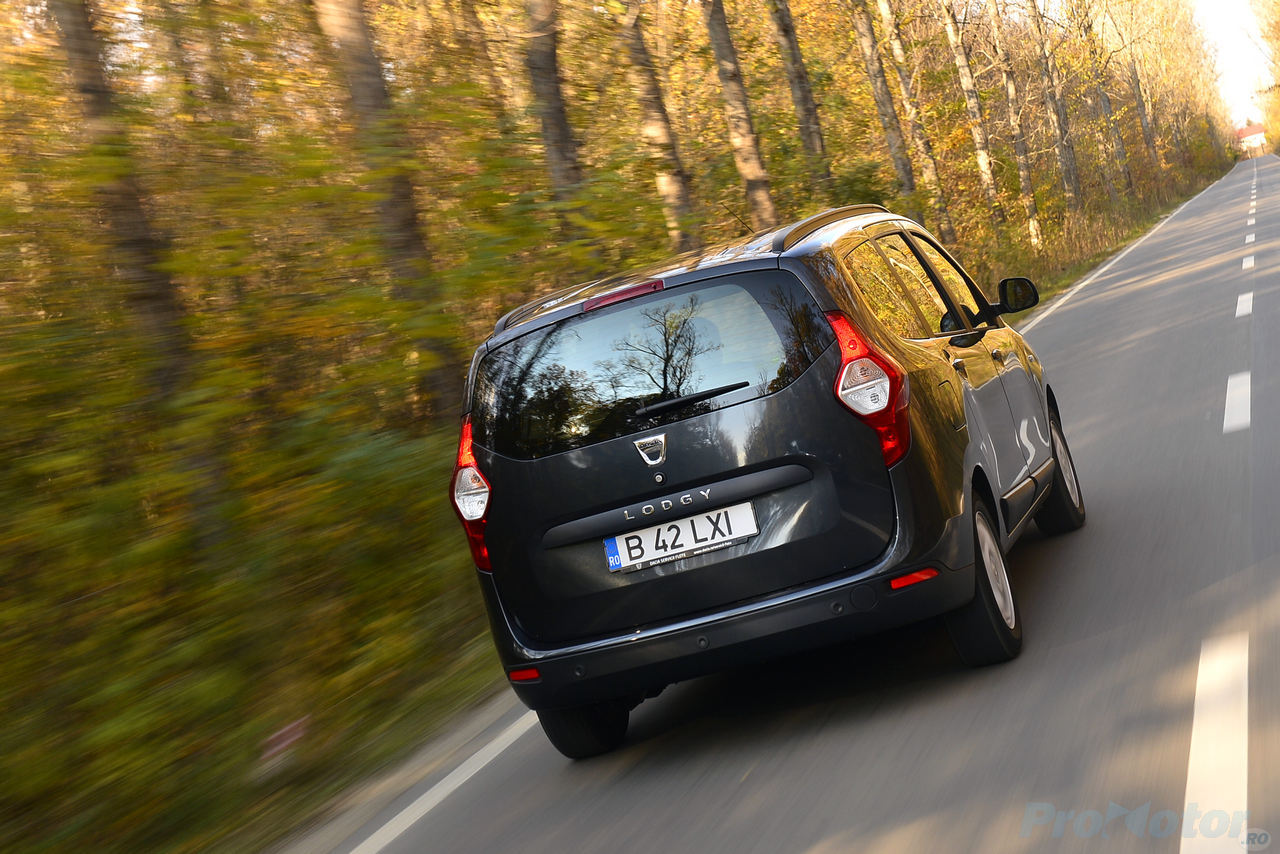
point(681, 538)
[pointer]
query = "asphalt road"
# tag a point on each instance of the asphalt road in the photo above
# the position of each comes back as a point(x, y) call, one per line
point(1156, 626)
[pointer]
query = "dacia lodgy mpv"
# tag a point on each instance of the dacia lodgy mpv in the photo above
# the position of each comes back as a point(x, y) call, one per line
point(815, 433)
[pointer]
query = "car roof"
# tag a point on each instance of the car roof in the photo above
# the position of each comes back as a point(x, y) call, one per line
point(758, 251)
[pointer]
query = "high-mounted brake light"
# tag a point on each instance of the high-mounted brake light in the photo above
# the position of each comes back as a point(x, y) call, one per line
point(873, 387)
point(622, 294)
point(471, 497)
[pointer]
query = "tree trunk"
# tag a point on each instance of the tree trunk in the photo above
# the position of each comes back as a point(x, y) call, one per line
point(919, 137)
point(655, 127)
point(883, 99)
point(1013, 108)
point(343, 23)
point(544, 74)
point(737, 112)
point(1148, 132)
point(784, 33)
point(152, 294)
point(1105, 166)
point(1098, 70)
point(977, 126)
point(1180, 141)
point(1051, 87)
point(1215, 141)
point(477, 44)
point(1117, 139)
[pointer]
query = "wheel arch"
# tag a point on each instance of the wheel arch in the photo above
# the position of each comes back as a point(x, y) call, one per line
point(1051, 401)
point(980, 489)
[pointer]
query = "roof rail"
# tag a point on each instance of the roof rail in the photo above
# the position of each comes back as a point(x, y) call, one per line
point(785, 239)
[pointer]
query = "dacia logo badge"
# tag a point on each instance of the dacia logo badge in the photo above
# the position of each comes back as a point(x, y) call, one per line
point(653, 449)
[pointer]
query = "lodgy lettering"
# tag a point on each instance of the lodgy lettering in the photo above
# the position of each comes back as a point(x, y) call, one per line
point(666, 504)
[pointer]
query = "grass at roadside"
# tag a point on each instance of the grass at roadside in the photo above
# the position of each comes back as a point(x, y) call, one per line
point(306, 798)
point(1055, 282)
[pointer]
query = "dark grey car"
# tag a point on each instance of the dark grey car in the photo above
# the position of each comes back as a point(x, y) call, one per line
point(816, 433)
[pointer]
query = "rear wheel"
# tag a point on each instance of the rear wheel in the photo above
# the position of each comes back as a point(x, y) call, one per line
point(582, 731)
point(987, 630)
point(1063, 508)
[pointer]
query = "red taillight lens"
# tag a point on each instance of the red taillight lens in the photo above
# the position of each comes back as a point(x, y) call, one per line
point(471, 497)
point(525, 674)
point(912, 578)
point(873, 387)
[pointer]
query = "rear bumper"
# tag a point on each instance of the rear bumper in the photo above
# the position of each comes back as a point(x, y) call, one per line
point(634, 665)
point(934, 529)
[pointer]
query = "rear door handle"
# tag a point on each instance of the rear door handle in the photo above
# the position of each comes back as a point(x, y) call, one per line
point(958, 364)
point(997, 354)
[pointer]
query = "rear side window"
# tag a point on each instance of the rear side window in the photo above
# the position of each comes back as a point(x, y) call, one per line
point(590, 378)
point(916, 281)
point(883, 293)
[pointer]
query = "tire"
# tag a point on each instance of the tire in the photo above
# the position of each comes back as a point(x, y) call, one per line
point(988, 630)
point(1063, 509)
point(582, 731)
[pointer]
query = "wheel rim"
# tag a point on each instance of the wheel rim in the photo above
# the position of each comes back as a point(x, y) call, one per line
point(1063, 455)
point(993, 562)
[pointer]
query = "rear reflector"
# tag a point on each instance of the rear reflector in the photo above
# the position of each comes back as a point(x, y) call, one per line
point(912, 578)
point(527, 674)
point(622, 294)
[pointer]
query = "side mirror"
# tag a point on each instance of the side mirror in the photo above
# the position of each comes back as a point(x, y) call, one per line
point(1017, 294)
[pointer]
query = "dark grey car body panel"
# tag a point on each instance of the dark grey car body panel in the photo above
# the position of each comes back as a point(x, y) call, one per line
point(835, 523)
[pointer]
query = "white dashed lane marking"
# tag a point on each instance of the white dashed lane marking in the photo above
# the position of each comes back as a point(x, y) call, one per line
point(1247, 263)
point(1235, 415)
point(1248, 238)
point(1244, 304)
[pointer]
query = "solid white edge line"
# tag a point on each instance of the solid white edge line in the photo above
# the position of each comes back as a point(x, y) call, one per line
point(1236, 412)
point(1218, 761)
point(1031, 324)
point(1247, 263)
point(1244, 304)
point(430, 799)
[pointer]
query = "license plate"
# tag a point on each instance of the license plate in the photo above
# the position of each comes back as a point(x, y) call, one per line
point(680, 538)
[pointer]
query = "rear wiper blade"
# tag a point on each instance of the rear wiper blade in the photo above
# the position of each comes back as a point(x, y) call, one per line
point(685, 400)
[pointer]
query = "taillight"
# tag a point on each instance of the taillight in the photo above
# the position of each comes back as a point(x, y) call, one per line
point(873, 387)
point(471, 497)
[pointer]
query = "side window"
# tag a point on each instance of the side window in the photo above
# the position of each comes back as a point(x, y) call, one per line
point(954, 280)
point(878, 286)
point(918, 284)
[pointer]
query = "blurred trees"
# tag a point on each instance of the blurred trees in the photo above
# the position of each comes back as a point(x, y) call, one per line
point(245, 247)
point(737, 113)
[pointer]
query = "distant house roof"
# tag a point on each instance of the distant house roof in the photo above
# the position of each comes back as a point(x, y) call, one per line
point(1251, 130)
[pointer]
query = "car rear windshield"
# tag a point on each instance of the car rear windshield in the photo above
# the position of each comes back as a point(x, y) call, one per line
point(646, 362)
